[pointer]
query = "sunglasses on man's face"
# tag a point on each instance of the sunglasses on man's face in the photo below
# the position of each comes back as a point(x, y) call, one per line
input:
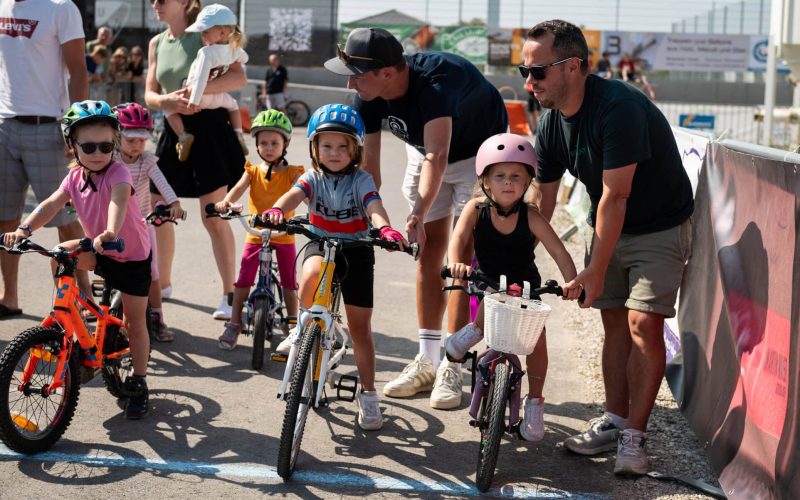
point(347, 59)
point(539, 72)
point(91, 147)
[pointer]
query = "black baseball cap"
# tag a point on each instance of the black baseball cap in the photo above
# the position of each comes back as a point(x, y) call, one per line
point(366, 49)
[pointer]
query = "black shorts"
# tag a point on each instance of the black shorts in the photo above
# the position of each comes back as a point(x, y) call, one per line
point(355, 272)
point(132, 277)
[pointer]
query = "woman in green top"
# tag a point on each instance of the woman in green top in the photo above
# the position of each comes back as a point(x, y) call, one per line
point(216, 160)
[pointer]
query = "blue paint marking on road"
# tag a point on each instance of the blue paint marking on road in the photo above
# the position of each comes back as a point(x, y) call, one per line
point(263, 472)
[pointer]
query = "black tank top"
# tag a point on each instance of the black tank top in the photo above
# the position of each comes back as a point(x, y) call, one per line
point(509, 254)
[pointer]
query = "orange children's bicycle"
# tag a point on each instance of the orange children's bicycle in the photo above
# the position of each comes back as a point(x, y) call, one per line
point(42, 368)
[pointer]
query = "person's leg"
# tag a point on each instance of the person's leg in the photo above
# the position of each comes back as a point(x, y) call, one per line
point(430, 299)
point(135, 322)
point(536, 363)
point(646, 364)
point(309, 280)
point(285, 254)
point(176, 122)
point(358, 323)
point(9, 268)
point(616, 351)
point(165, 246)
point(224, 248)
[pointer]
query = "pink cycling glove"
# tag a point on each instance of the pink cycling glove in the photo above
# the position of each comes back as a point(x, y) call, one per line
point(390, 234)
point(272, 211)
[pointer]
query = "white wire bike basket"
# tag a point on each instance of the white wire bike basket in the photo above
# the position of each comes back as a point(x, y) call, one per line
point(513, 324)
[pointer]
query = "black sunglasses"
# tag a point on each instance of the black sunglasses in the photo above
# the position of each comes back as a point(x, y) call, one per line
point(539, 72)
point(351, 60)
point(91, 147)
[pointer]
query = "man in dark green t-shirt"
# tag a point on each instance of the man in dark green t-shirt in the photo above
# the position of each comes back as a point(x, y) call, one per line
point(619, 145)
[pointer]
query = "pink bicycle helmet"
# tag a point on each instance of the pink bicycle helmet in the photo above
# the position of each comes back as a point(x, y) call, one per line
point(133, 116)
point(505, 148)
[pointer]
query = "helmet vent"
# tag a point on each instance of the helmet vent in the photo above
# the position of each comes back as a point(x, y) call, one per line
point(501, 147)
point(521, 147)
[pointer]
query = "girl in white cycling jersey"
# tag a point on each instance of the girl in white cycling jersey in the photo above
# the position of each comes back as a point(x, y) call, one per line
point(342, 201)
point(502, 230)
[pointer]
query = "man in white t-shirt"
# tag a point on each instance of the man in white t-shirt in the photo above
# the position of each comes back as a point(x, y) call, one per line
point(41, 54)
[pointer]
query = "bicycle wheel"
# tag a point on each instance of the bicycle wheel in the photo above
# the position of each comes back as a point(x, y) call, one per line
point(301, 397)
point(298, 113)
point(492, 433)
point(115, 370)
point(262, 328)
point(30, 421)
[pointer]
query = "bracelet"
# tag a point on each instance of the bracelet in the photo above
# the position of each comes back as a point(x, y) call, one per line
point(26, 228)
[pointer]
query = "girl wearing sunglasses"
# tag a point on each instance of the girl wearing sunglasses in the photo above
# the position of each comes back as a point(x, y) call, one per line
point(100, 189)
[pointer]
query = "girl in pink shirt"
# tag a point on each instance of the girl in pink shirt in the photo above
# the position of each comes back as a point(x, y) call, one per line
point(101, 191)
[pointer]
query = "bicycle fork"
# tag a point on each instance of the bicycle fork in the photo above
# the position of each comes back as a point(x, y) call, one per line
point(486, 366)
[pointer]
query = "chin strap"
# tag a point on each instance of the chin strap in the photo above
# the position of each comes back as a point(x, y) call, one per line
point(272, 164)
point(349, 169)
point(502, 213)
point(88, 182)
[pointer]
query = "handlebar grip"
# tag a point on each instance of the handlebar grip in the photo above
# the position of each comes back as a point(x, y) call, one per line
point(118, 245)
point(210, 210)
point(445, 272)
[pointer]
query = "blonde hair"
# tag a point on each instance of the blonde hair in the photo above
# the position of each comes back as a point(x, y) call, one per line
point(237, 38)
point(193, 8)
point(116, 139)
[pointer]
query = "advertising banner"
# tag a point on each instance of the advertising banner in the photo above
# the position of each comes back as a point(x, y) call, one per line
point(739, 317)
point(470, 42)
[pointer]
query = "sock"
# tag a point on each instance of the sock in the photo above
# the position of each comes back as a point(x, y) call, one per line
point(429, 345)
point(619, 422)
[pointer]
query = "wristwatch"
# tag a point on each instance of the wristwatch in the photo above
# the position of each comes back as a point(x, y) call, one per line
point(26, 228)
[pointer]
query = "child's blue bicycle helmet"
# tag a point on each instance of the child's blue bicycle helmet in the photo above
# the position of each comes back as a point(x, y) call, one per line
point(337, 118)
point(81, 113)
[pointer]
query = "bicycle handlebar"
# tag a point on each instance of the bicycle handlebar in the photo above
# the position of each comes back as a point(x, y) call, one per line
point(477, 277)
point(236, 214)
point(24, 245)
point(297, 225)
point(161, 215)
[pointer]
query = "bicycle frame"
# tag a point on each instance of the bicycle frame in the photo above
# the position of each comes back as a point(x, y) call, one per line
point(487, 363)
point(323, 312)
point(264, 276)
point(66, 313)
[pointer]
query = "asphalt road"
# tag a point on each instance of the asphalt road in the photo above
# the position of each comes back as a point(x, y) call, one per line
point(214, 423)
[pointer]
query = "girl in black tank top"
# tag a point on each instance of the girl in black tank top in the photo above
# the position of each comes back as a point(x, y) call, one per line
point(502, 230)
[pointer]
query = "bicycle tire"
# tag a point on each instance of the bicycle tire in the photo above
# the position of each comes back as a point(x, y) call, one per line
point(116, 370)
point(294, 419)
point(262, 329)
point(493, 433)
point(298, 113)
point(23, 415)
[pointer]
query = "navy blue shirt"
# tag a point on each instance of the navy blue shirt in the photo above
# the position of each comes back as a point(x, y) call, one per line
point(616, 126)
point(439, 85)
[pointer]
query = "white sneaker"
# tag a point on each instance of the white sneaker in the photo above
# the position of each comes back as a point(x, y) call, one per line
point(446, 393)
point(369, 410)
point(631, 456)
point(601, 436)
point(285, 345)
point(224, 310)
point(166, 293)
point(532, 426)
point(458, 344)
point(417, 376)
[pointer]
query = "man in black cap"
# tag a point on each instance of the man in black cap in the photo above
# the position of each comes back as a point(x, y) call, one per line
point(443, 108)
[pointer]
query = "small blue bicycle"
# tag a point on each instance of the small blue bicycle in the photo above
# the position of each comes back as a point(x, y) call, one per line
point(264, 307)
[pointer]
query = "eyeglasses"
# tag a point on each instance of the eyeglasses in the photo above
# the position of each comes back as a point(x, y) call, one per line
point(539, 71)
point(347, 59)
point(91, 147)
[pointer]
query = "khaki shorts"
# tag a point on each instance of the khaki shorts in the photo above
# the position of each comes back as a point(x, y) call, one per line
point(456, 189)
point(646, 270)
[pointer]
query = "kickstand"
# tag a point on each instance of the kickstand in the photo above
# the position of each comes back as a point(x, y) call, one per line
point(688, 481)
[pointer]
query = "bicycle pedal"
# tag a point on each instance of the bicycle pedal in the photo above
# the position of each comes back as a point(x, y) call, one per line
point(347, 384)
point(473, 422)
point(97, 287)
point(278, 357)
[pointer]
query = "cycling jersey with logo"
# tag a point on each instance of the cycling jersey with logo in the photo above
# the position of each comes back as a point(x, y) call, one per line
point(337, 203)
point(440, 85)
point(33, 77)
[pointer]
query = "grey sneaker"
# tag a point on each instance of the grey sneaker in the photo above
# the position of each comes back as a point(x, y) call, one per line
point(631, 456)
point(601, 436)
point(228, 339)
point(285, 345)
point(446, 393)
point(458, 344)
point(417, 376)
point(369, 411)
point(532, 426)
